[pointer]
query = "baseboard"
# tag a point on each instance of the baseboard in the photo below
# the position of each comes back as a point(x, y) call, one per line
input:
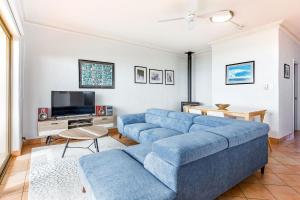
point(15, 153)
point(34, 141)
point(280, 140)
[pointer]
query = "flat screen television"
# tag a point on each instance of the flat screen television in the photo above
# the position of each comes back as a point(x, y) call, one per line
point(64, 103)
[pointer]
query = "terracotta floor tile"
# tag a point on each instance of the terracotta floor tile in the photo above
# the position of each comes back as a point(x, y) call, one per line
point(291, 180)
point(25, 196)
point(269, 179)
point(18, 166)
point(251, 179)
point(231, 198)
point(14, 179)
point(281, 169)
point(234, 192)
point(297, 188)
point(286, 160)
point(273, 161)
point(13, 196)
point(9, 189)
point(283, 192)
point(256, 191)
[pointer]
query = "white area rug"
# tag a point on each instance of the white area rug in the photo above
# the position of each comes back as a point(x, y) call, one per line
point(55, 178)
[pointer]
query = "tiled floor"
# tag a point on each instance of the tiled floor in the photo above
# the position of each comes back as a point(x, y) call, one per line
point(281, 180)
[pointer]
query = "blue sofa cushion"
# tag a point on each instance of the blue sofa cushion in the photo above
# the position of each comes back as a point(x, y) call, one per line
point(182, 116)
point(158, 112)
point(151, 135)
point(129, 119)
point(168, 119)
point(176, 124)
point(114, 175)
point(133, 130)
point(155, 115)
point(139, 151)
point(182, 149)
point(212, 121)
point(241, 132)
point(198, 127)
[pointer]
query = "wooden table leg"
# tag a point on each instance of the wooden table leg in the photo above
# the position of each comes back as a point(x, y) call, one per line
point(269, 144)
point(247, 118)
point(262, 117)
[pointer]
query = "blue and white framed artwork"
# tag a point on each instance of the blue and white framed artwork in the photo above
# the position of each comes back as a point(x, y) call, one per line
point(240, 73)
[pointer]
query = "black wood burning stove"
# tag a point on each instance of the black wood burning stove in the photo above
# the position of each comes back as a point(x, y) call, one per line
point(189, 102)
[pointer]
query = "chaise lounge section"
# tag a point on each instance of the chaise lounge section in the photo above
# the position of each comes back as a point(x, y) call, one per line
point(180, 156)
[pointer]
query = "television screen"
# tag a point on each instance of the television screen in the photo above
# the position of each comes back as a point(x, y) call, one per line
point(65, 103)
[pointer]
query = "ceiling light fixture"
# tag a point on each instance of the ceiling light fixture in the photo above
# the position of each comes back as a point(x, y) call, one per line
point(222, 16)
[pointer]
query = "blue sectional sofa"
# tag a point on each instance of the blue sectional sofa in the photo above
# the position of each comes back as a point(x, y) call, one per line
point(180, 156)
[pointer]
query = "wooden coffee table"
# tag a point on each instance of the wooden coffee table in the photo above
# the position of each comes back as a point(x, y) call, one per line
point(84, 133)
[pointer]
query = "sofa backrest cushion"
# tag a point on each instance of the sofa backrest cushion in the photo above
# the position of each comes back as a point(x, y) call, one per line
point(182, 149)
point(182, 116)
point(155, 115)
point(169, 119)
point(198, 127)
point(176, 124)
point(158, 112)
point(241, 132)
point(212, 121)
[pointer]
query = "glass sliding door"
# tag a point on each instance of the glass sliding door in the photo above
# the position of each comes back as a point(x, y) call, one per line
point(5, 43)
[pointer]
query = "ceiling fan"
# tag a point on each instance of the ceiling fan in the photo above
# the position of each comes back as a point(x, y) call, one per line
point(220, 16)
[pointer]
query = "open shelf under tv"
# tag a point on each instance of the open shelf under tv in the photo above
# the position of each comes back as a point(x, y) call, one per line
point(80, 122)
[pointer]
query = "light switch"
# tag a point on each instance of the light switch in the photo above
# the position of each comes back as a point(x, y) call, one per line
point(266, 86)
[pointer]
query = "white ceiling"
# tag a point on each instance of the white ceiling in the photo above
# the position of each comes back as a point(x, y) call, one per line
point(136, 20)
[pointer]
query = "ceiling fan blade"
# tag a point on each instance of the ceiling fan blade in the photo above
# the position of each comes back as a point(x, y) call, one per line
point(239, 26)
point(172, 19)
point(206, 14)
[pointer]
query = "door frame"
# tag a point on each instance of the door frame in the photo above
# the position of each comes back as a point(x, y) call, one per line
point(296, 79)
point(9, 88)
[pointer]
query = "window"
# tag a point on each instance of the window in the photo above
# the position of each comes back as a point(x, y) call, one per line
point(5, 44)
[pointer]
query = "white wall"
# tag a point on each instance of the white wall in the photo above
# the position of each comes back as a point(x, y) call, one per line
point(51, 63)
point(289, 50)
point(262, 47)
point(202, 73)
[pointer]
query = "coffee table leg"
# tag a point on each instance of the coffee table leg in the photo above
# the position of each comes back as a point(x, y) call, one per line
point(65, 148)
point(96, 144)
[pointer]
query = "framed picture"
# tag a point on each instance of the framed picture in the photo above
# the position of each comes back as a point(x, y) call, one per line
point(155, 76)
point(96, 74)
point(169, 77)
point(240, 73)
point(287, 73)
point(140, 74)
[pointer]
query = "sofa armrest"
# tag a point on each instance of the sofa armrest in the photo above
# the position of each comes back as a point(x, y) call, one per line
point(129, 119)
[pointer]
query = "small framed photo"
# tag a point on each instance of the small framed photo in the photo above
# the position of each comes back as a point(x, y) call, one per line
point(140, 74)
point(155, 76)
point(287, 73)
point(169, 77)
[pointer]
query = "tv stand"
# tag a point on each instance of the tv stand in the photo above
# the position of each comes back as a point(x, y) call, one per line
point(54, 126)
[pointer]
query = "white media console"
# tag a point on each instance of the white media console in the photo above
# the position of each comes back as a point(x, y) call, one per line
point(51, 127)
